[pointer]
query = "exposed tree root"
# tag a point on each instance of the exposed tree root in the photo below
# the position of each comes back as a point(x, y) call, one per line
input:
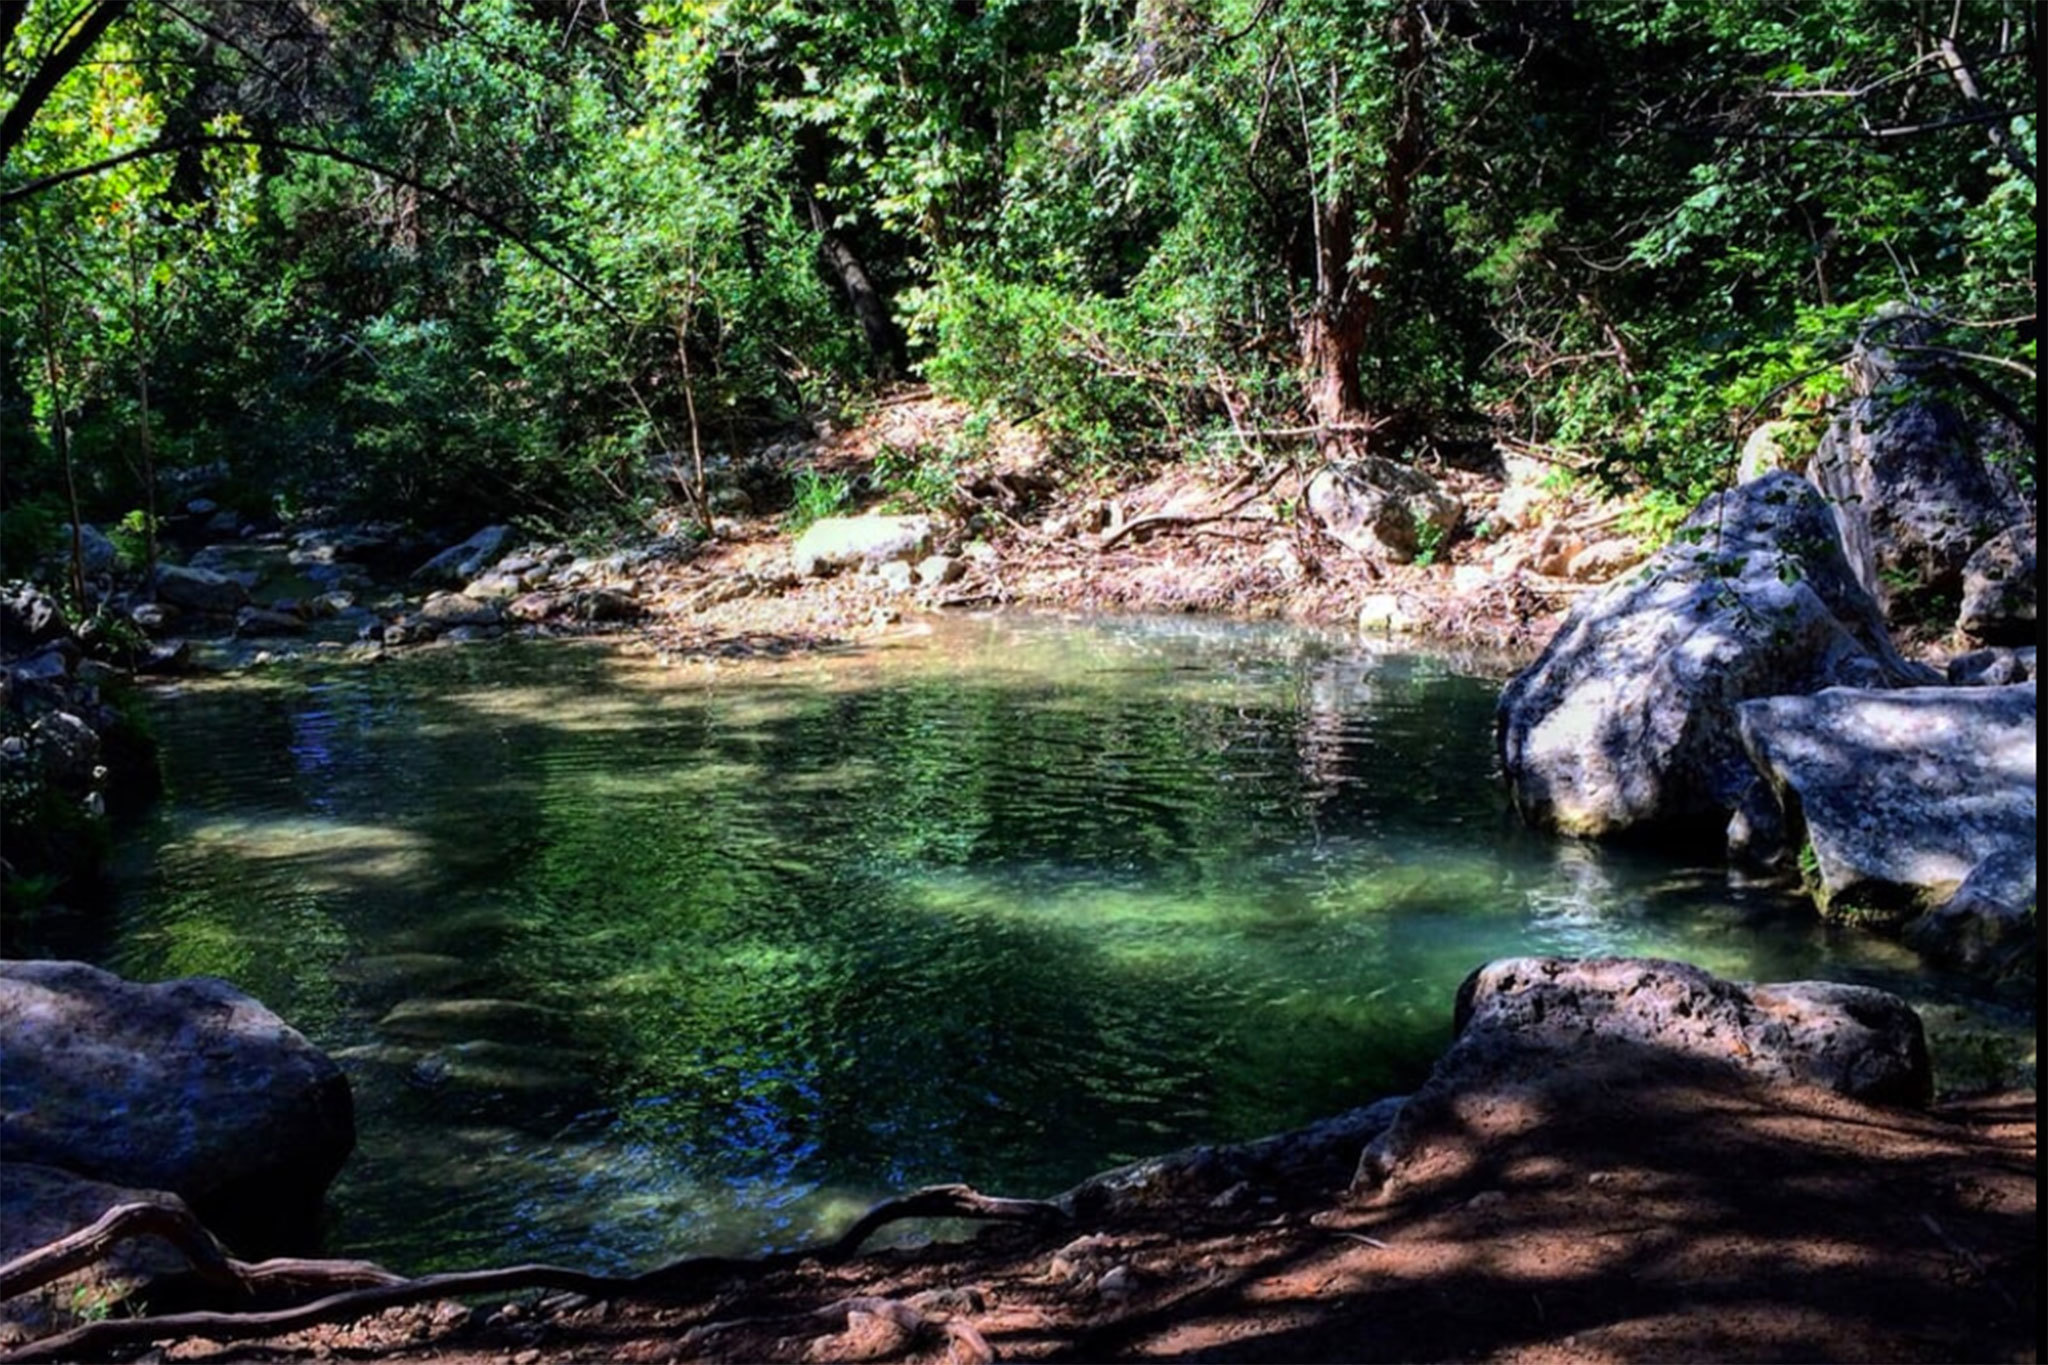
point(368, 1289)
point(1151, 519)
point(870, 1323)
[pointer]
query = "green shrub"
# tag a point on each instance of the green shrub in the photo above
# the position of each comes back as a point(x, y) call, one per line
point(817, 496)
point(30, 529)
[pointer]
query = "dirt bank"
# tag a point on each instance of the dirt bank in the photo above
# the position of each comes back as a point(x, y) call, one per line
point(1611, 1218)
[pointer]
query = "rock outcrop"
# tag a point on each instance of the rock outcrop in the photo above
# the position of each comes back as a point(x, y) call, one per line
point(68, 755)
point(1911, 488)
point(188, 1086)
point(1912, 802)
point(1520, 1021)
point(1627, 721)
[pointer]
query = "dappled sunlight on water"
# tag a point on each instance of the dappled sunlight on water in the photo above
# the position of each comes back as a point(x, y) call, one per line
point(625, 961)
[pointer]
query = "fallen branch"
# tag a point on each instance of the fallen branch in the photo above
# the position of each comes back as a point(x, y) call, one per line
point(1189, 518)
point(99, 1338)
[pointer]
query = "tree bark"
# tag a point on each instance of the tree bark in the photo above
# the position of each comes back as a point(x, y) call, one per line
point(1338, 324)
point(877, 328)
point(43, 81)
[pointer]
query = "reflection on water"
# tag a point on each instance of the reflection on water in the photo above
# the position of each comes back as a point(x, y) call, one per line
point(626, 962)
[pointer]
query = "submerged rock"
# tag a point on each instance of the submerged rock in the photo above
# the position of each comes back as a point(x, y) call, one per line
point(188, 1086)
point(1521, 1020)
point(1906, 798)
point(1626, 723)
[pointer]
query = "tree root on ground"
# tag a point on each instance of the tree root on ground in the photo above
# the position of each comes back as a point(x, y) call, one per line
point(875, 1327)
point(366, 1289)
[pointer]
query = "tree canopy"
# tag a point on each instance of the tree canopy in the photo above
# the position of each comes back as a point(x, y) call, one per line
point(504, 253)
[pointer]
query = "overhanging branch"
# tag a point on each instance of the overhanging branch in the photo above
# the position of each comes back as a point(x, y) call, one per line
point(163, 146)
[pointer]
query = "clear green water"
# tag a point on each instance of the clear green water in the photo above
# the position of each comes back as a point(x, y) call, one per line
point(627, 962)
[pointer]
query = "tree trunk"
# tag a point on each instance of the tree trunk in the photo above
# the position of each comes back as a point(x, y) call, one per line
point(1338, 324)
point(50, 71)
point(60, 434)
point(137, 322)
point(885, 342)
point(1333, 333)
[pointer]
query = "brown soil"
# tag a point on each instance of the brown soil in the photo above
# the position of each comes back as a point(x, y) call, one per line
point(1609, 1218)
point(1050, 551)
point(1606, 1218)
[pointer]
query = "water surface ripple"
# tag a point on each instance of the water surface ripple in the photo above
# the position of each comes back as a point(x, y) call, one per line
point(626, 962)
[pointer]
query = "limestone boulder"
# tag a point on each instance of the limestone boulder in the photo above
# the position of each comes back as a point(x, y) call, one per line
point(200, 590)
point(1908, 475)
point(1906, 800)
point(1519, 1021)
point(97, 553)
point(447, 610)
point(254, 620)
point(1626, 723)
point(1381, 509)
point(67, 750)
point(460, 563)
point(834, 543)
point(1992, 666)
point(188, 1086)
point(2000, 589)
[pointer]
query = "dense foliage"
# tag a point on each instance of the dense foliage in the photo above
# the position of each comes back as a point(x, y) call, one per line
point(542, 256)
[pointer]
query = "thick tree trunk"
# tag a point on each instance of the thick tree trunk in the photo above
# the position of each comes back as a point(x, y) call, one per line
point(1338, 325)
point(1333, 333)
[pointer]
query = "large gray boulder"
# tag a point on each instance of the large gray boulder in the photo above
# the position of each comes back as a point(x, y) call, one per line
point(460, 563)
point(833, 543)
point(97, 554)
point(1627, 721)
point(1521, 1021)
point(188, 1086)
point(2000, 589)
point(200, 590)
point(447, 610)
point(1912, 490)
point(1381, 509)
point(1907, 800)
